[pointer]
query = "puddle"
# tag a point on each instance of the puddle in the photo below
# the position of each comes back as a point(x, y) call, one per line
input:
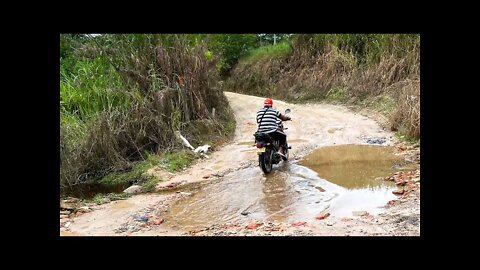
point(332, 130)
point(65, 233)
point(339, 179)
point(353, 166)
point(122, 205)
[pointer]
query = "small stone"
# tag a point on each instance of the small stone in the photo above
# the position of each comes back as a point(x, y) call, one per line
point(133, 189)
point(254, 225)
point(157, 221)
point(67, 206)
point(392, 202)
point(398, 192)
point(359, 213)
point(84, 209)
point(322, 216)
point(299, 223)
point(70, 200)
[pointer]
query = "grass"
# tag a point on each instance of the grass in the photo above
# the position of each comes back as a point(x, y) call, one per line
point(378, 71)
point(95, 87)
point(150, 184)
point(177, 161)
point(135, 175)
point(229, 127)
point(102, 198)
point(402, 136)
point(121, 97)
point(383, 104)
point(279, 50)
point(337, 94)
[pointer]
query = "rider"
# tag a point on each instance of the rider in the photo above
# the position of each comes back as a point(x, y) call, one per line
point(267, 120)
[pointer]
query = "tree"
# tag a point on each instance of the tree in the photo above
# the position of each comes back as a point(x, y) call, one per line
point(266, 39)
point(232, 47)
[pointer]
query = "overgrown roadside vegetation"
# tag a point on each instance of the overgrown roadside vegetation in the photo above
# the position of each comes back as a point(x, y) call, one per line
point(123, 97)
point(376, 71)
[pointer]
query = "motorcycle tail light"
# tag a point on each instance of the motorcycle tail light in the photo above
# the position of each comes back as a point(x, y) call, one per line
point(259, 145)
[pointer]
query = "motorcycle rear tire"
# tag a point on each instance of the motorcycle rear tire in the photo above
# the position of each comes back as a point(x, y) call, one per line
point(265, 160)
point(285, 152)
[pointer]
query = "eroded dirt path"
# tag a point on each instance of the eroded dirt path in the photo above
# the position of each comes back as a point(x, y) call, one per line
point(313, 126)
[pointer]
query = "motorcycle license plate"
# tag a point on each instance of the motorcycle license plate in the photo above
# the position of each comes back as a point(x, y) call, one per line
point(261, 150)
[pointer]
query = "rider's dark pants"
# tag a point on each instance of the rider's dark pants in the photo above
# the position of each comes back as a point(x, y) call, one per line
point(282, 138)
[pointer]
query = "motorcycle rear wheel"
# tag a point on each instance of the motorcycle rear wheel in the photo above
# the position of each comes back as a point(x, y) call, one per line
point(265, 160)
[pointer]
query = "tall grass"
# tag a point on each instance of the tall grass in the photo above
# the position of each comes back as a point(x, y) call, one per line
point(125, 95)
point(350, 68)
point(281, 49)
point(94, 88)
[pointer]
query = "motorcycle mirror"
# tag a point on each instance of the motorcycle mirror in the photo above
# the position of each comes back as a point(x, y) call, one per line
point(287, 111)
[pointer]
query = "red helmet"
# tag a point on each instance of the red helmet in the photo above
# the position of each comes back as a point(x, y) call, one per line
point(268, 102)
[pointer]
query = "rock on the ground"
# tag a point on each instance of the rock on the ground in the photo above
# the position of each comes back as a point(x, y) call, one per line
point(66, 205)
point(83, 209)
point(299, 223)
point(359, 213)
point(133, 189)
point(254, 225)
point(71, 200)
point(322, 216)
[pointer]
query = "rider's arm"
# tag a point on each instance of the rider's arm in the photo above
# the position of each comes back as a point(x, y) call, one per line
point(284, 117)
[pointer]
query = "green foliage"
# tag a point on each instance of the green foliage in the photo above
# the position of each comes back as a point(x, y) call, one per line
point(136, 174)
point(366, 48)
point(380, 71)
point(267, 39)
point(120, 95)
point(100, 198)
point(94, 88)
point(150, 184)
point(232, 47)
point(179, 160)
point(279, 50)
point(338, 93)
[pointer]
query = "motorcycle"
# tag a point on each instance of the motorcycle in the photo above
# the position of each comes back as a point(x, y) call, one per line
point(268, 146)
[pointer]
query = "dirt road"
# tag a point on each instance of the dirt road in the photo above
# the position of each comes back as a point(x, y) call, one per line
point(214, 183)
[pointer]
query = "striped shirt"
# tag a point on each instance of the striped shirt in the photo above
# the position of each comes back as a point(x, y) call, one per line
point(269, 121)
